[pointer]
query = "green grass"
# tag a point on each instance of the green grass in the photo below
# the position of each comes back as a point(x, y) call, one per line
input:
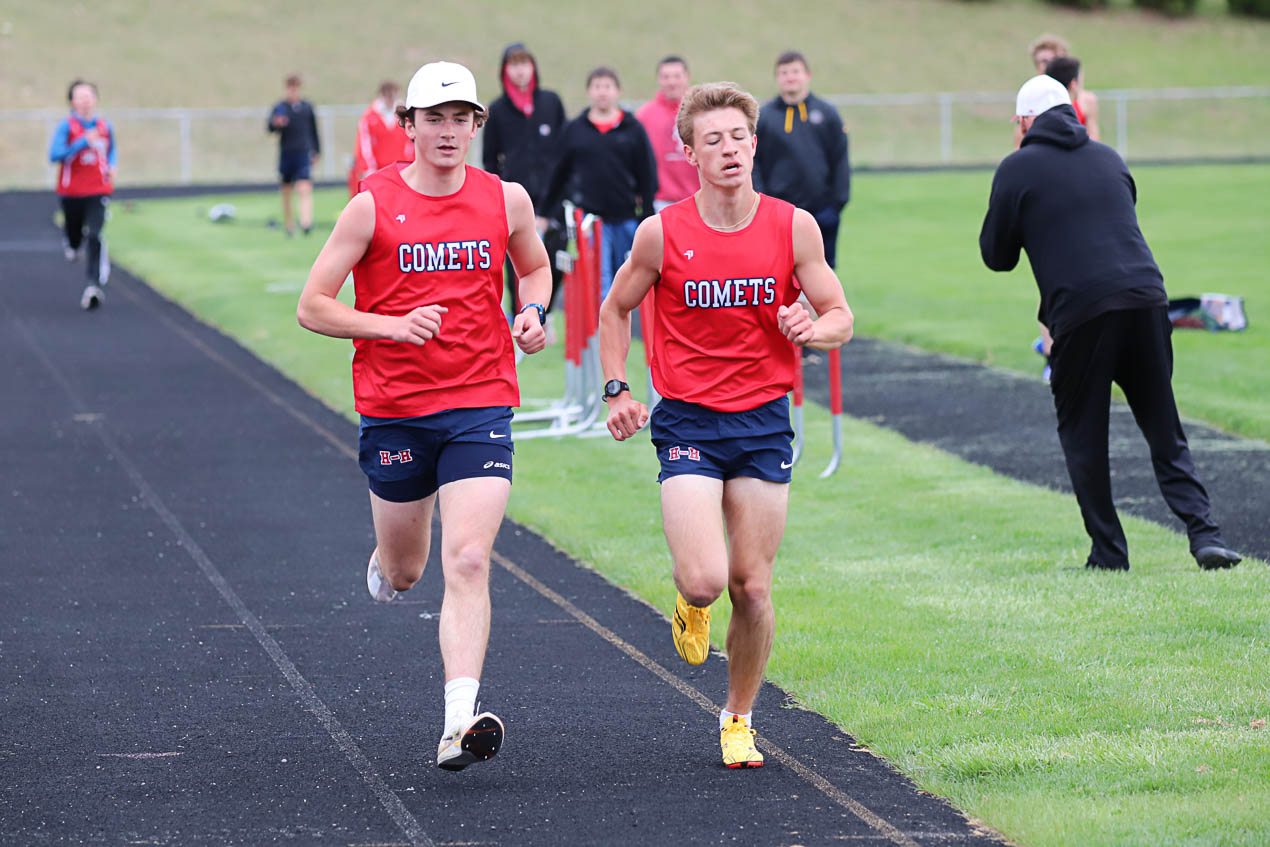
point(236, 52)
point(910, 263)
point(936, 611)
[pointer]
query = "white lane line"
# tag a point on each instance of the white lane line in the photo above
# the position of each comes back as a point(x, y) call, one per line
point(308, 697)
point(140, 755)
point(825, 786)
point(831, 791)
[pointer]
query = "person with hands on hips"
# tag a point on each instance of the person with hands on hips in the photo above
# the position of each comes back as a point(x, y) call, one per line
point(723, 263)
point(434, 371)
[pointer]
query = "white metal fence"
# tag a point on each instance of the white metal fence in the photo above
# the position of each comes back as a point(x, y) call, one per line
point(183, 145)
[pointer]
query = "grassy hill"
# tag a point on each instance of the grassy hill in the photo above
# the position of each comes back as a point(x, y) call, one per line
point(236, 52)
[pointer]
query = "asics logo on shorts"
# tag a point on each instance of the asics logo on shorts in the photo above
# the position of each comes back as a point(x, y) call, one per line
point(501, 465)
point(403, 456)
point(692, 453)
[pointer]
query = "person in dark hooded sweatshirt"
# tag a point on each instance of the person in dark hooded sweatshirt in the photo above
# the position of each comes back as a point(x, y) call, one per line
point(1069, 202)
point(522, 143)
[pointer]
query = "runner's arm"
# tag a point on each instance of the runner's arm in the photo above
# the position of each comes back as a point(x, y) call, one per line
point(631, 284)
point(320, 312)
point(533, 266)
point(833, 326)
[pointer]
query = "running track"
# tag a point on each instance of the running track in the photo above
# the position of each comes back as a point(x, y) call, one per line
point(188, 654)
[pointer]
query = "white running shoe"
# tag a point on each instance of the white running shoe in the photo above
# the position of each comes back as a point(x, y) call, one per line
point(69, 252)
point(378, 587)
point(91, 298)
point(476, 742)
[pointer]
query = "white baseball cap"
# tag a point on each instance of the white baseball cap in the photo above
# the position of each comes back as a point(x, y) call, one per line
point(1040, 94)
point(442, 82)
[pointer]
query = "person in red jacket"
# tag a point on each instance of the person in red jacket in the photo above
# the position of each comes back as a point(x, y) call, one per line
point(676, 178)
point(381, 140)
point(727, 264)
point(83, 147)
point(434, 373)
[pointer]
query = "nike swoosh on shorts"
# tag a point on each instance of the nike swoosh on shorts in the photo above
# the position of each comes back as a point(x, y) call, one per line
point(493, 434)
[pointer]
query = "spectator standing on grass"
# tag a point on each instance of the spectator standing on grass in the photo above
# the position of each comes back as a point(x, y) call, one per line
point(723, 263)
point(607, 164)
point(521, 144)
point(293, 120)
point(434, 373)
point(381, 140)
point(83, 147)
point(676, 177)
point(802, 153)
point(1069, 202)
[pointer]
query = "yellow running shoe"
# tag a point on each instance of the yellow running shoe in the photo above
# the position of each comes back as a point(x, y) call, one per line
point(690, 629)
point(737, 741)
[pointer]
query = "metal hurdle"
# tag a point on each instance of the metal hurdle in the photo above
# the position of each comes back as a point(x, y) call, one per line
point(835, 407)
point(579, 408)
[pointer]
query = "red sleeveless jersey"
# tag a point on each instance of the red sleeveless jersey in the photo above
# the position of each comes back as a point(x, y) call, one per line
point(443, 250)
point(87, 173)
point(716, 342)
point(1080, 113)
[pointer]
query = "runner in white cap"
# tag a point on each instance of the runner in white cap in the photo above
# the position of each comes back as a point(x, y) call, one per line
point(434, 375)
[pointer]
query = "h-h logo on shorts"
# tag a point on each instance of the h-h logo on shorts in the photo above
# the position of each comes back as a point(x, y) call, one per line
point(403, 456)
point(677, 453)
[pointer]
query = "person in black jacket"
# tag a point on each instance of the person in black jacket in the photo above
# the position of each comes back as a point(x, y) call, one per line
point(1069, 202)
point(802, 150)
point(298, 148)
point(608, 162)
point(521, 144)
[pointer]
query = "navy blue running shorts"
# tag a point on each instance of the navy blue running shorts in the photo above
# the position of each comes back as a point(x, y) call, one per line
point(692, 439)
point(408, 459)
point(293, 166)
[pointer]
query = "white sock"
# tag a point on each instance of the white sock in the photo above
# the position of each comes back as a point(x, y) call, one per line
point(725, 716)
point(460, 701)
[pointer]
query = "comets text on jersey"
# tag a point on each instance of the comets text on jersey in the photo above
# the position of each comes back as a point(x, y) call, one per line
point(729, 293)
point(425, 257)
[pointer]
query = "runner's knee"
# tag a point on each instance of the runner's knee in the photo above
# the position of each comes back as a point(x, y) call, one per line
point(700, 589)
point(402, 573)
point(751, 593)
point(469, 564)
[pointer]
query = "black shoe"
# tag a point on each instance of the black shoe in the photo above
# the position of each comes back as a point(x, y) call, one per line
point(1099, 566)
point(1215, 557)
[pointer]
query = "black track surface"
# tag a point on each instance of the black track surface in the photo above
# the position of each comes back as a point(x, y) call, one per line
point(188, 654)
point(1006, 421)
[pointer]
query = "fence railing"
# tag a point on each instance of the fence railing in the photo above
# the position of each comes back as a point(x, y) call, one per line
point(185, 145)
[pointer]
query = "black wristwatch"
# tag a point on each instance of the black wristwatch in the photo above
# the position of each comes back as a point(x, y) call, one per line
point(614, 387)
point(542, 312)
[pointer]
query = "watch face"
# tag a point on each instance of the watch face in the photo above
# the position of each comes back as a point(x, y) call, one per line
point(614, 387)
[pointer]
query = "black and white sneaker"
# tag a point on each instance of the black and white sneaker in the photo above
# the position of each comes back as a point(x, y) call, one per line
point(476, 742)
point(91, 298)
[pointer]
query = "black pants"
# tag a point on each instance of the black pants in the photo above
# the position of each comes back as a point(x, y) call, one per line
point(1132, 348)
point(84, 218)
point(830, 236)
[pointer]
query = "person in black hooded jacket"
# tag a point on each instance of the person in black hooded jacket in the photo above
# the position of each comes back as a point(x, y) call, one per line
point(522, 144)
point(1069, 202)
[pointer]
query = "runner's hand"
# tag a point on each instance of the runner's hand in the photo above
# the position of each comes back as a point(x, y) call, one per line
point(417, 326)
point(530, 335)
point(627, 416)
point(795, 322)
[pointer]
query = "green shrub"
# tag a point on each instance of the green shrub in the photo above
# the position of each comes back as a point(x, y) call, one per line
point(1172, 8)
point(1256, 8)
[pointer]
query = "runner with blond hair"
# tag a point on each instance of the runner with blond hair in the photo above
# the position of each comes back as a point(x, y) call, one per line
point(728, 328)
